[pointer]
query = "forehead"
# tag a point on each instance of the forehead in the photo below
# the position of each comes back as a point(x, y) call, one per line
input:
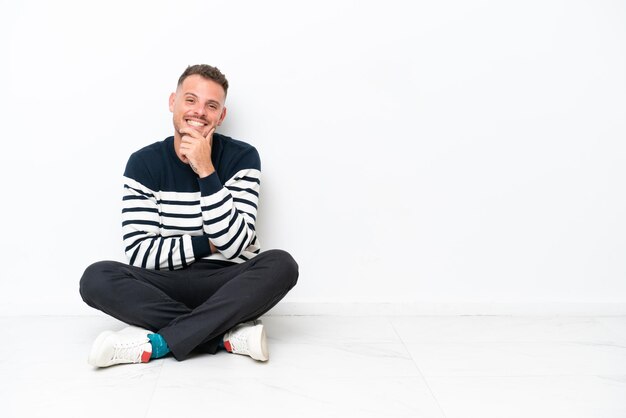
point(203, 88)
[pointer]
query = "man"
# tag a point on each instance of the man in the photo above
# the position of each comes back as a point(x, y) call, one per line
point(196, 279)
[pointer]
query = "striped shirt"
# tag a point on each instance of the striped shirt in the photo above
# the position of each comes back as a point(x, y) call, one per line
point(169, 215)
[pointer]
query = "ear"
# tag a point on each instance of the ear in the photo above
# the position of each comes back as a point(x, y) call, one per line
point(172, 100)
point(222, 117)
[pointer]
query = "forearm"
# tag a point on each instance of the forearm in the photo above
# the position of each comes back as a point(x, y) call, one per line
point(151, 251)
point(144, 242)
point(156, 252)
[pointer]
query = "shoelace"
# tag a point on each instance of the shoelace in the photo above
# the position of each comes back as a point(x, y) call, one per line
point(239, 341)
point(128, 351)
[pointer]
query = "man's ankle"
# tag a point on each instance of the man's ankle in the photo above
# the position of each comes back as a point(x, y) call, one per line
point(159, 346)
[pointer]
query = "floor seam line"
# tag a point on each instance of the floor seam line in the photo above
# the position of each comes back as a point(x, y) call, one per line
point(418, 368)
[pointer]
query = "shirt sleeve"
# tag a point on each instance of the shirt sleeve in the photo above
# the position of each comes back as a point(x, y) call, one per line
point(141, 225)
point(143, 244)
point(229, 210)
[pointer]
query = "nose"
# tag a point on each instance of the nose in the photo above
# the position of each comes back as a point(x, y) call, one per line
point(199, 109)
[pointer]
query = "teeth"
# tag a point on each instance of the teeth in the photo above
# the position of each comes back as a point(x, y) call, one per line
point(194, 123)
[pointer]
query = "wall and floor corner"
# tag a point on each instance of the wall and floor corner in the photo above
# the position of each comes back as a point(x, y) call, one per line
point(433, 157)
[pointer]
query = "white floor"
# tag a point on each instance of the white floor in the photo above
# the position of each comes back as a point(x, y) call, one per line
point(321, 366)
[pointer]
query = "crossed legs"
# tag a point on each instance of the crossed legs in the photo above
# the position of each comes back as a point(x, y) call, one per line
point(192, 308)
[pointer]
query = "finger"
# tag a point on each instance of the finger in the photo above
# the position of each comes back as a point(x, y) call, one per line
point(191, 132)
point(210, 134)
point(187, 139)
point(186, 147)
point(185, 134)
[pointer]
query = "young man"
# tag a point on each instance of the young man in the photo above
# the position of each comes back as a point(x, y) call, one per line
point(196, 278)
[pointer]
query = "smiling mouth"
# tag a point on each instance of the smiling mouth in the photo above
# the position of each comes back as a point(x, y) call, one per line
point(195, 123)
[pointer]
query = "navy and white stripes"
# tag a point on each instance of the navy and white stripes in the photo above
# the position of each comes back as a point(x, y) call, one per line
point(169, 215)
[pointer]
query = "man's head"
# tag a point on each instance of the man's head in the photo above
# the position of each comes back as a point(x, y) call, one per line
point(199, 100)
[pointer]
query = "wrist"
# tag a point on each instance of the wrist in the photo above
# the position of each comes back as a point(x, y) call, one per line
point(202, 173)
point(203, 170)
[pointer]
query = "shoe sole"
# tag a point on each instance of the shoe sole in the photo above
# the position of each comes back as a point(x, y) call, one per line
point(264, 350)
point(263, 354)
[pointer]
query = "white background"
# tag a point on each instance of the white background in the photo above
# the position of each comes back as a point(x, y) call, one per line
point(414, 153)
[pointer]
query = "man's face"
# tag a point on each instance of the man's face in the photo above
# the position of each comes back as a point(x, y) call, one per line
point(197, 104)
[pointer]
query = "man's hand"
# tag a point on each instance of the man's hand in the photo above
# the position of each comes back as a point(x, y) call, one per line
point(197, 150)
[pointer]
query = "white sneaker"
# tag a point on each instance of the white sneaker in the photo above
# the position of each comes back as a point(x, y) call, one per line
point(130, 345)
point(248, 339)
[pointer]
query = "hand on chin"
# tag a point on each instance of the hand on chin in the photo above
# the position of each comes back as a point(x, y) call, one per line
point(202, 130)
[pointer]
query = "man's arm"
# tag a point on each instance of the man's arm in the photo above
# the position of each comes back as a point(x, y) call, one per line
point(229, 211)
point(144, 246)
point(142, 225)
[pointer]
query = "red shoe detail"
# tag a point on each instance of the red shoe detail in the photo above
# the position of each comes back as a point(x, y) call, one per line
point(227, 346)
point(145, 357)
